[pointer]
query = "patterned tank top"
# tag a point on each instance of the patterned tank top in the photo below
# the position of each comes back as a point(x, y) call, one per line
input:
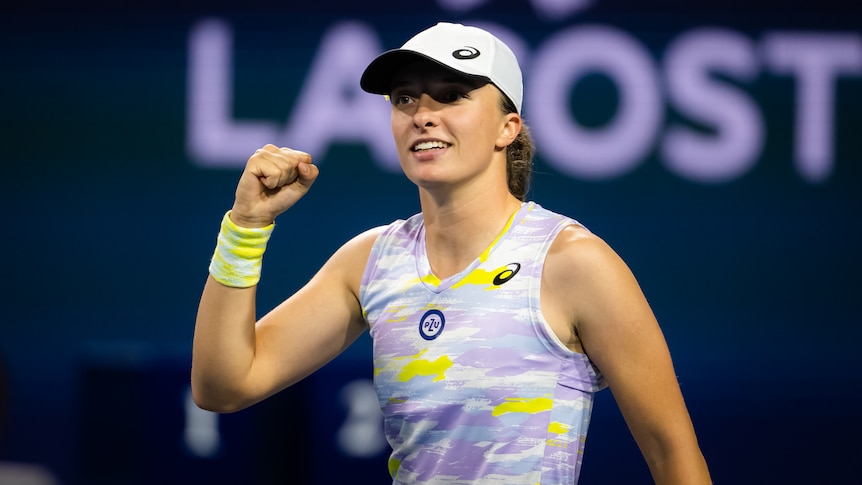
point(474, 386)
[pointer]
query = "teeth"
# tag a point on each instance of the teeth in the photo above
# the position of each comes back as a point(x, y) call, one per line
point(427, 145)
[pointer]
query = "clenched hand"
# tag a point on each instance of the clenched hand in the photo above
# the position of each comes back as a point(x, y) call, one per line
point(273, 180)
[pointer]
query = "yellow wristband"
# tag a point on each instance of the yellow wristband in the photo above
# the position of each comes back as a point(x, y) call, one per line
point(238, 255)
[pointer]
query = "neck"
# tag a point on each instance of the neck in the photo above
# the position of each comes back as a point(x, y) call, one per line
point(458, 229)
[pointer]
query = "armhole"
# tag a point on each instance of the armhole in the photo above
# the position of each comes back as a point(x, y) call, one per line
point(371, 265)
point(584, 374)
point(552, 341)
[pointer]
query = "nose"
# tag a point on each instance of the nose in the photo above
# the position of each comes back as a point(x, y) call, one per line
point(426, 114)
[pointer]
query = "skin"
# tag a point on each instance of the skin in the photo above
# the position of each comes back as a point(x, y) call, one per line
point(589, 296)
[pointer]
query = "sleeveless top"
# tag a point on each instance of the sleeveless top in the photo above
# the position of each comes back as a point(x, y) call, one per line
point(474, 386)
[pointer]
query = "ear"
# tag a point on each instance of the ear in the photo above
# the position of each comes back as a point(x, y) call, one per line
point(510, 129)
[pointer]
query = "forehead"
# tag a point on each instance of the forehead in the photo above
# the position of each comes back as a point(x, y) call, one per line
point(422, 71)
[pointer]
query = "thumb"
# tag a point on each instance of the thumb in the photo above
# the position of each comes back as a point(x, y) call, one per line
point(307, 174)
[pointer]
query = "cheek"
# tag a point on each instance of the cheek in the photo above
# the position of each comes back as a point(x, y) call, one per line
point(483, 130)
point(399, 122)
point(393, 119)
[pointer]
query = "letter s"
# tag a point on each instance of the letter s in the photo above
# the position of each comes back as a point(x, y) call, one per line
point(737, 124)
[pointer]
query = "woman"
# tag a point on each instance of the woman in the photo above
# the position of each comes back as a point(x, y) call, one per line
point(494, 320)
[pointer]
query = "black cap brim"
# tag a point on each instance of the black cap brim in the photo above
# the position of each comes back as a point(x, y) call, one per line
point(377, 77)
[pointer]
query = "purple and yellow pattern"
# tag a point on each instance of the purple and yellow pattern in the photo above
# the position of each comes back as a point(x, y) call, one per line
point(474, 386)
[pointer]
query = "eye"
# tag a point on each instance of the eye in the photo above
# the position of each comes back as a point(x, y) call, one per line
point(400, 99)
point(452, 95)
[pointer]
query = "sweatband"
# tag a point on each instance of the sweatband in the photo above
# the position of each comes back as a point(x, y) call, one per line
point(238, 255)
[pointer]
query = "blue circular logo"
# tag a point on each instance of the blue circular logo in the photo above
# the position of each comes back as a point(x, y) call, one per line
point(431, 324)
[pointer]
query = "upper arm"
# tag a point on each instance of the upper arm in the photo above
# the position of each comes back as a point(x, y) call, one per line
point(620, 334)
point(315, 324)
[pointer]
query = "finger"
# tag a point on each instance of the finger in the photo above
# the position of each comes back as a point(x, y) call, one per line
point(308, 173)
point(299, 156)
point(270, 174)
point(272, 169)
point(290, 161)
point(277, 167)
point(305, 167)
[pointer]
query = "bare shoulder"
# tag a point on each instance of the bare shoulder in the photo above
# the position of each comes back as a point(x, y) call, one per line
point(589, 277)
point(577, 253)
point(360, 245)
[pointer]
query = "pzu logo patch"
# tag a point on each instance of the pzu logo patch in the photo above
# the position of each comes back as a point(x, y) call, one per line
point(431, 324)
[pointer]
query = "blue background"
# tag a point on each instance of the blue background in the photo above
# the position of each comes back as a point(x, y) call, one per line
point(108, 228)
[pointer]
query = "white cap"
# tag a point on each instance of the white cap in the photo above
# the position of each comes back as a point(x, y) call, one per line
point(464, 49)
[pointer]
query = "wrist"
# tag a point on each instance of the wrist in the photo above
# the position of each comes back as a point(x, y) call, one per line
point(247, 222)
point(238, 257)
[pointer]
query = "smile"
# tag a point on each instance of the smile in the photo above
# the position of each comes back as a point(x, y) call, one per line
point(429, 145)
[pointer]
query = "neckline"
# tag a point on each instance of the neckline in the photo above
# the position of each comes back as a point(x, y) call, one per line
point(437, 285)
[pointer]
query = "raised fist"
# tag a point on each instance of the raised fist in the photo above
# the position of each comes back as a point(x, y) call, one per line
point(273, 180)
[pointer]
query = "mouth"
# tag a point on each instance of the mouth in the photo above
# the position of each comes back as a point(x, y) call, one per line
point(429, 145)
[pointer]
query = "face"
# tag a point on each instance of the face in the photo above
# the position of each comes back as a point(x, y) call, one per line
point(449, 130)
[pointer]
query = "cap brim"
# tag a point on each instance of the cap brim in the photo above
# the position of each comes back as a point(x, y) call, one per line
point(377, 78)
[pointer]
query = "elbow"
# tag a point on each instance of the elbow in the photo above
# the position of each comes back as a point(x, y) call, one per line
point(208, 403)
point(678, 464)
point(215, 398)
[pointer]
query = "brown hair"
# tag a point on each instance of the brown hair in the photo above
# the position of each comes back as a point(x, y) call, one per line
point(519, 156)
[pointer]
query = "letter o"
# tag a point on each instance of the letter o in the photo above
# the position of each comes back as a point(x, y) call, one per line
point(594, 153)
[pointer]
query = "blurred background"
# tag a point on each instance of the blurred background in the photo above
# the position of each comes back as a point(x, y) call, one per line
point(715, 145)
